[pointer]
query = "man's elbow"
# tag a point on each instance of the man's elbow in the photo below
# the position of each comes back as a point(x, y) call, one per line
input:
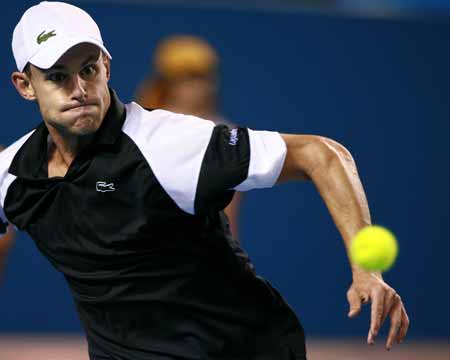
point(311, 155)
point(328, 154)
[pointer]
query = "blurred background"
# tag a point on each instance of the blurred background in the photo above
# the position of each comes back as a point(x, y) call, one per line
point(373, 75)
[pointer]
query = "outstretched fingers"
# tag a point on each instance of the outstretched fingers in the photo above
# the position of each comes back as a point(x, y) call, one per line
point(354, 302)
point(404, 326)
point(384, 302)
point(376, 315)
point(391, 298)
point(396, 323)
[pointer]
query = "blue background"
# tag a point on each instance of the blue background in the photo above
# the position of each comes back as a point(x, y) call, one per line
point(379, 86)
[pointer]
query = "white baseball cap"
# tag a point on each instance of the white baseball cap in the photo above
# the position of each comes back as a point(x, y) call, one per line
point(47, 30)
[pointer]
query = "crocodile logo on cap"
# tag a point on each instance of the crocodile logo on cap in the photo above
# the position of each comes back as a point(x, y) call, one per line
point(43, 36)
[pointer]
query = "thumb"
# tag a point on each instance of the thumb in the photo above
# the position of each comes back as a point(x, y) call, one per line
point(355, 303)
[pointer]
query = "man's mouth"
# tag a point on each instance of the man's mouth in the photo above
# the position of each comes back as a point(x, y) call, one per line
point(80, 107)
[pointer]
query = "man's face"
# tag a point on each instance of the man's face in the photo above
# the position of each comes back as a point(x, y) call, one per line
point(73, 95)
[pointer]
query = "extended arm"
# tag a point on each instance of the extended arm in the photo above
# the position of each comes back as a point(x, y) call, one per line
point(6, 242)
point(332, 169)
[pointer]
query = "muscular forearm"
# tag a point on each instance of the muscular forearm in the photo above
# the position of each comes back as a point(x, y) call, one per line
point(339, 185)
point(333, 171)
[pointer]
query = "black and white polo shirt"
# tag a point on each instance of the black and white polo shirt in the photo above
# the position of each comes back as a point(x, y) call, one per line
point(136, 228)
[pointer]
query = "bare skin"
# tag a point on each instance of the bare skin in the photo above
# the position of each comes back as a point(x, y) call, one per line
point(333, 171)
point(73, 98)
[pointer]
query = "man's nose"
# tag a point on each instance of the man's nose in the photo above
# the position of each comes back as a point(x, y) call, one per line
point(78, 87)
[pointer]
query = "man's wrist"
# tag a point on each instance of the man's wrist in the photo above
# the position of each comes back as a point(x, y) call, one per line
point(358, 273)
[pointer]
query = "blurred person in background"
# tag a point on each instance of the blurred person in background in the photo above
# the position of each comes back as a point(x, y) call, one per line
point(6, 242)
point(185, 79)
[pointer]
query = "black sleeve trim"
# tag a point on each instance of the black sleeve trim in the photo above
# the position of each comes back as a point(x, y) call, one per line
point(225, 165)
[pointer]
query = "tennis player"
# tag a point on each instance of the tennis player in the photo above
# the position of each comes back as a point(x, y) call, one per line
point(126, 203)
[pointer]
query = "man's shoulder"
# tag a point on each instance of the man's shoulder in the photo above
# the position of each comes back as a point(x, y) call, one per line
point(8, 154)
point(152, 124)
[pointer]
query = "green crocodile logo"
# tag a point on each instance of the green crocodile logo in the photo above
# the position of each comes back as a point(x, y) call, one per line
point(43, 36)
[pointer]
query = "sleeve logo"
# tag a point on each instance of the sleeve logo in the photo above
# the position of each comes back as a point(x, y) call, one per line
point(233, 137)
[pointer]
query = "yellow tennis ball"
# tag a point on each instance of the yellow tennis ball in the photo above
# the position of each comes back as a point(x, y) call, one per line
point(374, 248)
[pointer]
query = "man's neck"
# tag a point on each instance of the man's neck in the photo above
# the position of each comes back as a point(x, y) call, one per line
point(62, 150)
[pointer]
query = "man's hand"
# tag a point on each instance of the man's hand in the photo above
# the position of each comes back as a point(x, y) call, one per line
point(385, 301)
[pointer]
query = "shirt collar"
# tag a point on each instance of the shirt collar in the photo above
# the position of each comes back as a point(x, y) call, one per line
point(32, 156)
point(111, 127)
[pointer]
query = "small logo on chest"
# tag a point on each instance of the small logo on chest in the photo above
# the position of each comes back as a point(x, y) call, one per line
point(103, 186)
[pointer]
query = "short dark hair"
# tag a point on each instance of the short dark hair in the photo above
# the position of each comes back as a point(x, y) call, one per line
point(27, 70)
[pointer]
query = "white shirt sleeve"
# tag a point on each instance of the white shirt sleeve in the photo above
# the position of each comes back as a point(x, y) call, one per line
point(267, 155)
point(198, 163)
point(6, 179)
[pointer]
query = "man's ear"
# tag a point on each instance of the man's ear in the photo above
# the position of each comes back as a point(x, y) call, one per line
point(107, 65)
point(22, 83)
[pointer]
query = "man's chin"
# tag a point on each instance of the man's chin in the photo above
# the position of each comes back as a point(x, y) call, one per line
point(85, 127)
point(83, 132)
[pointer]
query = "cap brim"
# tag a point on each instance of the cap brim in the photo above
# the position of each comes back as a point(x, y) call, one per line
point(50, 53)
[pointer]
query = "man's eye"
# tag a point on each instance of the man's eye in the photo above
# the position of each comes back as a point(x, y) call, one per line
point(57, 77)
point(88, 70)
